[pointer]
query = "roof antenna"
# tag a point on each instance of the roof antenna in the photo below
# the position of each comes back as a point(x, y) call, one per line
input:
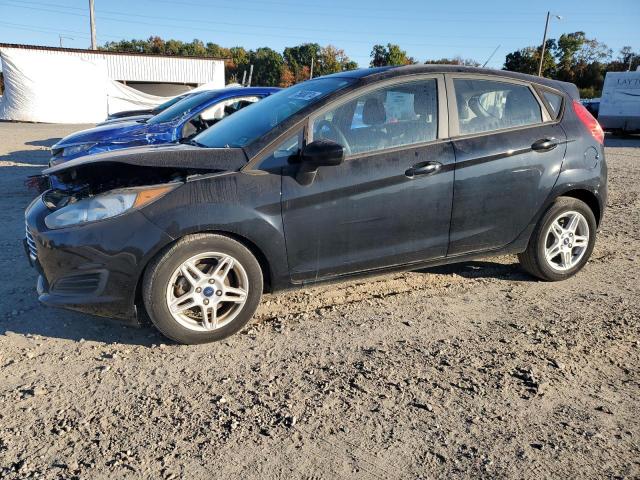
point(491, 56)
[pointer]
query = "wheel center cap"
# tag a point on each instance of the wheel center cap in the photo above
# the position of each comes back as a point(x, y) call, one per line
point(208, 291)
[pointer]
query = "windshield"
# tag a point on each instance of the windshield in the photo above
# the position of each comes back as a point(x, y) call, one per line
point(180, 108)
point(168, 103)
point(243, 127)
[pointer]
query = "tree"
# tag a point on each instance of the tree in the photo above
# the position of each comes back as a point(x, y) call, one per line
point(583, 61)
point(378, 56)
point(333, 60)
point(267, 66)
point(458, 60)
point(523, 61)
point(287, 78)
point(392, 54)
point(574, 58)
point(627, 60)
point(527, 60)
point(568, 46)
point(299, 58)
point(239, 62)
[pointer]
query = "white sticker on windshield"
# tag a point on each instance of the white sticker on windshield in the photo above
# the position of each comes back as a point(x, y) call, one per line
point(305, 95)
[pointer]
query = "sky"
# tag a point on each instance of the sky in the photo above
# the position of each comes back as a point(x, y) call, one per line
point(425, 29)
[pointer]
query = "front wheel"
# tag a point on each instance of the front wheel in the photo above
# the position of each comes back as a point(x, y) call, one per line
point(562, 242)
point(203, 288)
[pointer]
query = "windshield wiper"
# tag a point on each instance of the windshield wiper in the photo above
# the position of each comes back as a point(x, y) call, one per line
point(196, 143)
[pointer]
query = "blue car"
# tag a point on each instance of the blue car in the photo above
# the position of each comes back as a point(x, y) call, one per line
point(178, 123)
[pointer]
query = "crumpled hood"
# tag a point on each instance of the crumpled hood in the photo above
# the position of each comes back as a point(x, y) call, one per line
point(111, 132)
point(181, 156)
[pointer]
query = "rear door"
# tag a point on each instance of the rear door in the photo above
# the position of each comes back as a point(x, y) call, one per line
point(509, 150)
point(389, 203)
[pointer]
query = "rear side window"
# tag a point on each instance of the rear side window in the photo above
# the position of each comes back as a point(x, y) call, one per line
point(555, 102)
point(487, 105)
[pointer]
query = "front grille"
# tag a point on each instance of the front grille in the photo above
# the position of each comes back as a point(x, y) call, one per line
point(31, 243)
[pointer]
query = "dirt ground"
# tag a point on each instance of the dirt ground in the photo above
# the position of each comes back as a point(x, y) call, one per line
point(475, 370)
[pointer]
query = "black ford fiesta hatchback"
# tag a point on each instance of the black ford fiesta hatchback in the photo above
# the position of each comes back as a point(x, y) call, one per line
point(349, 174)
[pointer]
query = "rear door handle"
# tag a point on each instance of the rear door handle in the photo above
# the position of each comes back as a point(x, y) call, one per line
point(544, 145)
point(423, 168)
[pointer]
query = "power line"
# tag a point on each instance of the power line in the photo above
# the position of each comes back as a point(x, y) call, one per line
point(430, 12)
point(294, 37)
point(296, 12)
point(53, 31)
point(245, 25)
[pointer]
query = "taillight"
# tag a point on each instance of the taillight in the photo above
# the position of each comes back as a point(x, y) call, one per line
point(588, 121)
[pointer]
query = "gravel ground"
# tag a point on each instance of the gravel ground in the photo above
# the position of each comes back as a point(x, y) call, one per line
point(475, 370)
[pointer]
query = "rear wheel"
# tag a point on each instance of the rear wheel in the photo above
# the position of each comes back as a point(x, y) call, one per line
point(202, 289)
point(562, 242)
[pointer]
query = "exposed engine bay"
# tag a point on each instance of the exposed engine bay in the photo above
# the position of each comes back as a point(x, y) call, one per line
point(77, 184)
point(142, 167)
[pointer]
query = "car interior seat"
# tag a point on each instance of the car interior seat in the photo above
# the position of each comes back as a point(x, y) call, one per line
point(374, 116)
point(518, 108)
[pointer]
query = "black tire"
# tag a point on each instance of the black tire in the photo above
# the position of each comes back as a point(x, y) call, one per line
point(160, 270)
point(533, 259)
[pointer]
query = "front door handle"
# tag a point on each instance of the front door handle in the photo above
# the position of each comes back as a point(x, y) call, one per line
point(423, 168)
point(544, 145)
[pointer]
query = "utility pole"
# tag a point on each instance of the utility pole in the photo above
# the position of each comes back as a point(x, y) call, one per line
point(311, 71)
point(92, 21)
point(544, 44)
point(250, 74)
point(544, 41)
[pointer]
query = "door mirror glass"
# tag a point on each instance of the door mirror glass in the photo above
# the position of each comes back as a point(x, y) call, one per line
point(322, 153)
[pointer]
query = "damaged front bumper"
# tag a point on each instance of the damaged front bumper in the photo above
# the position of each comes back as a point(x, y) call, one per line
point(93, 268)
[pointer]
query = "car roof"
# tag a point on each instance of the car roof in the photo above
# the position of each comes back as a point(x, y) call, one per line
point(368, 75)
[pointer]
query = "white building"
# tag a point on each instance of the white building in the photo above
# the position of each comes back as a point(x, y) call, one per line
point(65, 85)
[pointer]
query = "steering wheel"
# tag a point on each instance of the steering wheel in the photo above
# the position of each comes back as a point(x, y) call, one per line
point(199, 124)
point(336, 131)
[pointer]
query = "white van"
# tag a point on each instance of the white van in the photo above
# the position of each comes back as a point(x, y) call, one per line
point(620, 102)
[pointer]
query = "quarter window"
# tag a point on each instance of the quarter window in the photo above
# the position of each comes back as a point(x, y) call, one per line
point(394, 116)
point(485, 105)
point(555, 102)
point(283, 154)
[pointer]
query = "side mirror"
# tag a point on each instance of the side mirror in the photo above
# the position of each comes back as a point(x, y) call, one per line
point(322, 153)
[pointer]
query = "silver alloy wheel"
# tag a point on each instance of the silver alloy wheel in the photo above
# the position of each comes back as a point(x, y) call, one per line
point(566, 241)
point(207, 291)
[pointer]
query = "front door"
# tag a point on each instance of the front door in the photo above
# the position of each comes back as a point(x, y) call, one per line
point(508, 158)
point(389, 203)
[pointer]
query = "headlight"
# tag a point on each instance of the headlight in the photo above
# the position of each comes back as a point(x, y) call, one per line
point(103, 206)
point(75, 149)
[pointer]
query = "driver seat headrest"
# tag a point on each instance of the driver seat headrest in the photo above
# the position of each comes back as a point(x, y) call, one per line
point(373, 112)
point(516, 106)
point(423, 104)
